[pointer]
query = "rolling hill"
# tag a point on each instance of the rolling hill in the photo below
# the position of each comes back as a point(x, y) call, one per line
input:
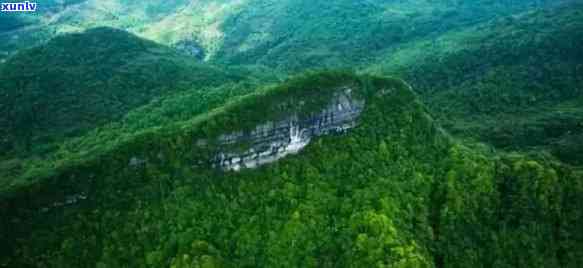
point(77, 82)
point(513, 83)
point(318, 33)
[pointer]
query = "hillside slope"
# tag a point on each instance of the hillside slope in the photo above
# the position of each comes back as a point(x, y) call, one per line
point(77, 82)
point(174, 163)
point(514, 82)
point(389, 189)
point(295, 35)
point(318, 33)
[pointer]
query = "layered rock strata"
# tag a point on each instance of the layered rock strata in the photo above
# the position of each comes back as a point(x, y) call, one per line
point(272, 141)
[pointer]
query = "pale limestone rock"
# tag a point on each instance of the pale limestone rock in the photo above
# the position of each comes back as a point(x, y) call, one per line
point(272, 141)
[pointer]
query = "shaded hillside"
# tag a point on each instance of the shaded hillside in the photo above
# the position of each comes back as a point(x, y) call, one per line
point(395, 190)
point(79, 81)
point(14, 21)
point(11, 22)
point(20, 31)
point(513, 82)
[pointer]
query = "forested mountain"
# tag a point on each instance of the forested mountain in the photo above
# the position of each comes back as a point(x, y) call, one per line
point(317, 33)
point(80, 81)
point(513, 82)
point(396, 190)
point(197, 134)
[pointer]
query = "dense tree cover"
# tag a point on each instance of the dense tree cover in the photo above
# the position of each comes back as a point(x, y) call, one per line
point(165, 21)
point(15, 21)
point(80, 81)
point(397, 191)
point(8, 22)
point(294, 35)
point(532, 59)
point(512, 82)
point(24, 30)
point(159, 113)
point(316, 33)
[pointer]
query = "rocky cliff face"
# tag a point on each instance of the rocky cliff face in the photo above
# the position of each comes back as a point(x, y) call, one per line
point(271, 141)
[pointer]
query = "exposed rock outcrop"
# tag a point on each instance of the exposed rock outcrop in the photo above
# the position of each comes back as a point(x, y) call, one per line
point(191, 48)
point(271, 141)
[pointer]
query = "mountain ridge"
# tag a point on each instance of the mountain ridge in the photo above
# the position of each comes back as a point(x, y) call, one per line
point(395, 189)
point(524, 95)
point(77, 82)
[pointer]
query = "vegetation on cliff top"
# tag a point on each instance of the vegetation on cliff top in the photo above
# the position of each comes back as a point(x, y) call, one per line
point(176, 113)
point(129, 185)
point(394, 191)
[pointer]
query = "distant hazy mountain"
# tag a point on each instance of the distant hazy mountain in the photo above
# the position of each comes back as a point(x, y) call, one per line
point(260, 31)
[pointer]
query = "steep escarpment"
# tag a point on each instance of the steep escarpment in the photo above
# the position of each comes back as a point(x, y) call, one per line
point(273, 140)
point(324, 106)
point(379, 183)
